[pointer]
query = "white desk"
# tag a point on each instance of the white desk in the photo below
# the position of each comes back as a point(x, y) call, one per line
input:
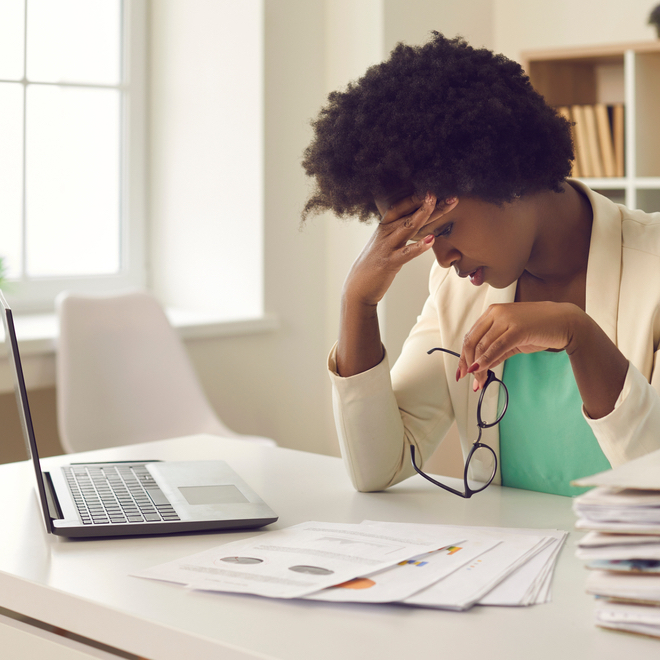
point(84, 586)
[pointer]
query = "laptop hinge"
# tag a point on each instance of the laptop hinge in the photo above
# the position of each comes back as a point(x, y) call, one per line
point(51, 497)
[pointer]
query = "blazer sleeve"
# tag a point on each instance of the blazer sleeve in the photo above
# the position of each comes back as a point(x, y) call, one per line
point(632, 429)
point(379, 414)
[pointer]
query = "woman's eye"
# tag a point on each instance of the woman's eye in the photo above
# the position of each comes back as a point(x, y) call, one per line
point(444, 231)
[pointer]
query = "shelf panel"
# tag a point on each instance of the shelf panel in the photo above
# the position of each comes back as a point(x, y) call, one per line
point(611, 74)
point(601, 54)
point(605, 183)
point(613, 183)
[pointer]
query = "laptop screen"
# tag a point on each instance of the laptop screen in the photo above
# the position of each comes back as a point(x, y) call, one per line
point(23, 406)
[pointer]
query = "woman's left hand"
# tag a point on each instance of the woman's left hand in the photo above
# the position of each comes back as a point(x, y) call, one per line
point(506, 329)
point(503, 330)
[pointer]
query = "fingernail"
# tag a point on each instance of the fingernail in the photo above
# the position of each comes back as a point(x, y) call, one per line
point(428, 198)
point(458, 374)
point(473, 368)
point(475, 385)
point(450, 200)
point(429, 239)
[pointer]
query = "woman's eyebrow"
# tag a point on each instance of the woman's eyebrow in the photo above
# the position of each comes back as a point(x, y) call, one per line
point(424, 231)
point(435, 227)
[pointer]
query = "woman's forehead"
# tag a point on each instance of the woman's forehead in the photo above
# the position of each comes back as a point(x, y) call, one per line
point(394, 195)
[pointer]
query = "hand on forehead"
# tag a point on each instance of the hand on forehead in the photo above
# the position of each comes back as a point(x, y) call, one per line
point(403, 203)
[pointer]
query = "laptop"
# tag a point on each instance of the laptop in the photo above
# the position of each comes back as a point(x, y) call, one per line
point(134, 497)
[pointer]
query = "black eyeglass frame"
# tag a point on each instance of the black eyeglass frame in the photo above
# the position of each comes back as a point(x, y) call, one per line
point(468, 492)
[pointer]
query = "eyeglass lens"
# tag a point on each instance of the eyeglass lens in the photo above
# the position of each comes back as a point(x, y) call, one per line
point(487, 416)
point(482, 462)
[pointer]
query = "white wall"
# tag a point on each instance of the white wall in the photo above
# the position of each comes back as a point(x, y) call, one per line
point(275, 384)
point(529, 24)
point(205, 134)
point(272, 384)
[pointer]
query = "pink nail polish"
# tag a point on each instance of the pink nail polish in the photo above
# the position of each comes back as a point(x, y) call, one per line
point(473, 368)
point(458, 374)
point(429, 239)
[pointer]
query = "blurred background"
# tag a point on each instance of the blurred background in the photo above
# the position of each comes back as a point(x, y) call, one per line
point(158, 144)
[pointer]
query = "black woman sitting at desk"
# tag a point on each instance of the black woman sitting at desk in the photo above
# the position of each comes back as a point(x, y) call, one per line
point(540, 282)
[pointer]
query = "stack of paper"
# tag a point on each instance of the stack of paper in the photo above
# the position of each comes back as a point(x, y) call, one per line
point(622, 546)
point(439, 566)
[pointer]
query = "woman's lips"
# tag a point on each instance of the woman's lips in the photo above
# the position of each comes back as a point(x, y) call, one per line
point(476, 276)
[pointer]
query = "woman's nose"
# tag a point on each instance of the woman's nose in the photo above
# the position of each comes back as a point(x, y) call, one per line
point(445, 253)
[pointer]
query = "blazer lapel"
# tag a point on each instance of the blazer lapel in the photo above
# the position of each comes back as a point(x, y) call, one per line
point(604, 266)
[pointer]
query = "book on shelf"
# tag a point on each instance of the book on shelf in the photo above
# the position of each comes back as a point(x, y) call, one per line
point(598, 139)
point(605, 139)
point(565, 112)
point(582, 141)
point(593, 145)
point(618, 125)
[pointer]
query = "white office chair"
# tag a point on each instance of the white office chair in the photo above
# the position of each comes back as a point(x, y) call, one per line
point(123, 375)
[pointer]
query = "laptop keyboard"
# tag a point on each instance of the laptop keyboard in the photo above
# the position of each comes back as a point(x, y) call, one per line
point(116, 494)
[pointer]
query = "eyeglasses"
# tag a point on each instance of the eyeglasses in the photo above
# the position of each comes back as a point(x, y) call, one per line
point(480, 455)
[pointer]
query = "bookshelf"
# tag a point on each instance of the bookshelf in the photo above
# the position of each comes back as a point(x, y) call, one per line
point(624, 75)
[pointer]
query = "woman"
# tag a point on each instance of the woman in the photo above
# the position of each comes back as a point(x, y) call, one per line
point(558, 289)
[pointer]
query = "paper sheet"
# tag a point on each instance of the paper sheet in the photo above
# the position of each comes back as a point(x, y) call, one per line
point(299, 560)
point(640, 473)
point(466, 586)
point(649, 566)
point(440, 566)
point(624, 585)
point(530, 584)
point(407, 577)
point(617, 527)
point(611, 552)
point(600, 540)
point(632, 618)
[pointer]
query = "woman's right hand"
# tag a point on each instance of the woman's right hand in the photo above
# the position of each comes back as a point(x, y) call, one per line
point(389, 248)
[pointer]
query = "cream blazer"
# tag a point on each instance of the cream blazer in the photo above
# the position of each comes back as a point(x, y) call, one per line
point(379, 414)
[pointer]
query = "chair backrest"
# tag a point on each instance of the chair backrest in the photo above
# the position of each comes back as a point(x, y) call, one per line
point(123, 375)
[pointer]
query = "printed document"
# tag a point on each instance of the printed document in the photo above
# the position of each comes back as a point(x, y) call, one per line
point(439, 566)
point(299, 560)
point(466, 586)
point(409, 576)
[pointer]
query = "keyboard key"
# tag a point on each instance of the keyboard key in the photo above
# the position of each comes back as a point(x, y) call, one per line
point(157, 495)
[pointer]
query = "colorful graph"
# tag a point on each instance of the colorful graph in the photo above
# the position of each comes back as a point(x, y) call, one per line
point(357, 583)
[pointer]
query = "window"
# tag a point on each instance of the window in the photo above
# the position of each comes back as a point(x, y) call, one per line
point(71, 116)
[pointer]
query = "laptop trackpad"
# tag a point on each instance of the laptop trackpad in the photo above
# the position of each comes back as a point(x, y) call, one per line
point(207, 490)
point(212, 494)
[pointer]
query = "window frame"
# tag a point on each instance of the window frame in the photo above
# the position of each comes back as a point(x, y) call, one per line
point(37, 294)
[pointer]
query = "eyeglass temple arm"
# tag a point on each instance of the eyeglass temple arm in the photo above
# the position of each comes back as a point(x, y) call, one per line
point(433, 481)
point(490, 373)
point(444, 350)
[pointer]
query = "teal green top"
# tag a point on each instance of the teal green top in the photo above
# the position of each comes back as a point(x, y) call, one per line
point(545, 441)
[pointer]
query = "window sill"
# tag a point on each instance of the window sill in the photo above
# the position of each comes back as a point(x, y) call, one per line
point(37, 337)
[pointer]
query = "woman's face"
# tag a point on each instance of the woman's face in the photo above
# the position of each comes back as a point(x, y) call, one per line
point(482, 241)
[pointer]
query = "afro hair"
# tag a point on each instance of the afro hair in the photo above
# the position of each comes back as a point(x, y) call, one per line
point(442, 117)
